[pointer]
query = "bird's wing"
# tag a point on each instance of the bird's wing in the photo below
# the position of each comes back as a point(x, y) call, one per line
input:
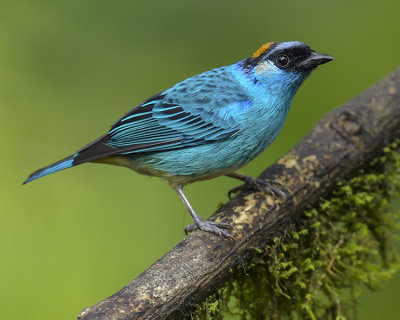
point(199, 110)
point(202, 109)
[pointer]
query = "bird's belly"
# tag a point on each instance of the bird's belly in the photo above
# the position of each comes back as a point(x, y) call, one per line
point(202, 162)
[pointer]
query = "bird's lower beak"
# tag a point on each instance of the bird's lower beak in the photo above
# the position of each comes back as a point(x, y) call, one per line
point(314, 60)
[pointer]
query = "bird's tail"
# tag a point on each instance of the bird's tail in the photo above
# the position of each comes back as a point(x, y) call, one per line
point(57, 166)
point(95, 150)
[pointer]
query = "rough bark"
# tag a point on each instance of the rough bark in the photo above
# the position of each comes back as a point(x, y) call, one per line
point(342, 142)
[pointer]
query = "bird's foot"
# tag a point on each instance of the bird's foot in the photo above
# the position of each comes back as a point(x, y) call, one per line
point(210, 226)
point(271, 187)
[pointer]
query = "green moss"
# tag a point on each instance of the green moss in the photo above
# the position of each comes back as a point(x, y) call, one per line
point(319, 267)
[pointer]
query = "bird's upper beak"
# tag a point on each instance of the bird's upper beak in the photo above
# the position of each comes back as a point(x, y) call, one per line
point(314, 60)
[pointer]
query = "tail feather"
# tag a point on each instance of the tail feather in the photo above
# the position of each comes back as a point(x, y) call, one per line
point(96, 150)
point(57, 166)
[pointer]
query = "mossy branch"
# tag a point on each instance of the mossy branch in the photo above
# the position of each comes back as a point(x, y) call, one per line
point(319, 267)
point(341, 144)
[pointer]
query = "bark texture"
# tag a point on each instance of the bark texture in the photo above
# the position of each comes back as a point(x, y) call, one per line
point(341, 143)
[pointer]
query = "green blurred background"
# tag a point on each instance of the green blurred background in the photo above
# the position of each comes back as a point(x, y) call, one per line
point(68, 69)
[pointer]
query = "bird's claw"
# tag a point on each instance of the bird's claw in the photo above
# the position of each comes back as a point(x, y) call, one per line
point(211, 226)
point(260, 185)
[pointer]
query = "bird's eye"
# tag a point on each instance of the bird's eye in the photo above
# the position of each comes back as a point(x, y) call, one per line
point(282, 61)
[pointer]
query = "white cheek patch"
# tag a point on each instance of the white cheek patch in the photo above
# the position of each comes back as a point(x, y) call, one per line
point(265, 68)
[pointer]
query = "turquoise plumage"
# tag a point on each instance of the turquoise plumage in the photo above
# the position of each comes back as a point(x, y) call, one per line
point(208, 125)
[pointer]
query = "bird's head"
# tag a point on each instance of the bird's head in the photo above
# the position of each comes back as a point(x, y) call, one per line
point(283, 64)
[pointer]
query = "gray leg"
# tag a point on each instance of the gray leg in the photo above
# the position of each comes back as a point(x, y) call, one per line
point(256, 184)
point(204, 225)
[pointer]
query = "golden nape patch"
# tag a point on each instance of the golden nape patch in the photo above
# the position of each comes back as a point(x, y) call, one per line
point(263, 48)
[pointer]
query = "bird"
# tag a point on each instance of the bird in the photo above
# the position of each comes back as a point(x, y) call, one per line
point(206, 126)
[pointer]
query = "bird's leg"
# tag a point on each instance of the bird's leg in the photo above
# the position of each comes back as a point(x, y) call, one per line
point(269, 186)
point(204, 225)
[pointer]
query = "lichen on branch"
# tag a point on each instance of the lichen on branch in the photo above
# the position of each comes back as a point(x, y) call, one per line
point(319, 267)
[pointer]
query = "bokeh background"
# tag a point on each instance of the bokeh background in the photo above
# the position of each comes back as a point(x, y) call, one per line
point(68, 69)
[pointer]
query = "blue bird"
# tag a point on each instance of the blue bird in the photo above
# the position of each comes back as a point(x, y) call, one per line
point(208, 125)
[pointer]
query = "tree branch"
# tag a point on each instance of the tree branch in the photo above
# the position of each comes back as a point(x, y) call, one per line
point(341, 143)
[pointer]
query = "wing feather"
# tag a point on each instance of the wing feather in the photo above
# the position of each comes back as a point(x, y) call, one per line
point(158, 122)
point(202, 109)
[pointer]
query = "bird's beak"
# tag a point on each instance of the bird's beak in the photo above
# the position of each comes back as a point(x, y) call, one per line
point(314, 60)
